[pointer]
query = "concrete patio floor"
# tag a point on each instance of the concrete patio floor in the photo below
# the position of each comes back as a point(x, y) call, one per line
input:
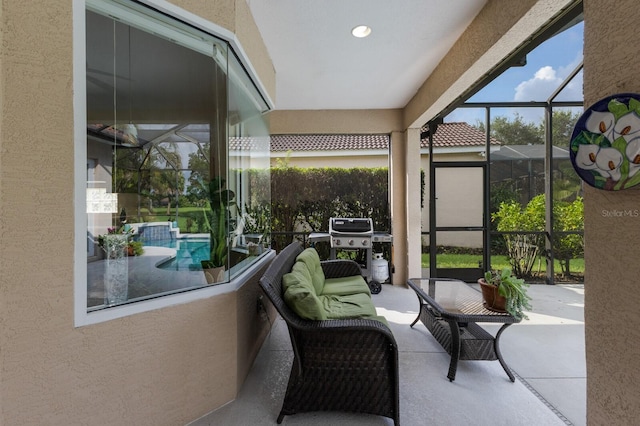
point(546, 353)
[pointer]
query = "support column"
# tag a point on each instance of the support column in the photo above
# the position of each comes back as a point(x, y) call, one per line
point(414, 212)
point(397, 194)
point(405, 205)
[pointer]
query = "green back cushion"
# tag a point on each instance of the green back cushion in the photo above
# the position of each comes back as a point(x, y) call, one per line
point(310, 258)
point(300, 295)
point(345, 285)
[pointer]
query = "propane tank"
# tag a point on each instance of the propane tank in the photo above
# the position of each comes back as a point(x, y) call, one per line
point(379, 268)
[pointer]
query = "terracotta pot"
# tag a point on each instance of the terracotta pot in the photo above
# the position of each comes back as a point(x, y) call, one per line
point(492, 300)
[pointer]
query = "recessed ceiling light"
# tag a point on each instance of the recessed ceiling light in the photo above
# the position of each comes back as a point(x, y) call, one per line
point(361, 31)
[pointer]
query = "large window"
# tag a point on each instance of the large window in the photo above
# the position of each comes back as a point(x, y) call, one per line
point(177, 158)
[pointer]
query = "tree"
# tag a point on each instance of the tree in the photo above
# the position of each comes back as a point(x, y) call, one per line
point(152, 171)
point(517, 131)
point(199, 166)
point(562, 123)
point(514, 132)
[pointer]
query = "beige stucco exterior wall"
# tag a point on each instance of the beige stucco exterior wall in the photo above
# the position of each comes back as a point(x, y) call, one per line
point(398, 190)
point(164, 367)
point(413, 213)
point(612, 316)
point(335, 121)
point(321, 159)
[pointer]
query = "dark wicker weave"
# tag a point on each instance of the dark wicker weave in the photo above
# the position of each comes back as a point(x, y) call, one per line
point(339, 365)
point(455, 327)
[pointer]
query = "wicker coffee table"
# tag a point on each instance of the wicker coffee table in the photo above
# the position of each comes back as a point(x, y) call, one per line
point(451, 309)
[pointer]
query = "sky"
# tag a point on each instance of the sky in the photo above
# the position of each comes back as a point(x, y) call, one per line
point(547, 67)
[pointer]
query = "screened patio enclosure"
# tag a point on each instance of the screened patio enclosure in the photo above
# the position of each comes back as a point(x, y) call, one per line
point(518, 205)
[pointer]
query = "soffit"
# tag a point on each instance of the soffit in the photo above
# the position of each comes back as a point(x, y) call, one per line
point(320, 65)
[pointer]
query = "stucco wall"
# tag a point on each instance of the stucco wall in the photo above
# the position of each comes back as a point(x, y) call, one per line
point(335, 121)
point(322, 160)
point(612, 296)
point(164, 367)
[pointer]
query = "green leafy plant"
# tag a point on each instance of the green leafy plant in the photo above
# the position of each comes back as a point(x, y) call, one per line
point(569, 218)
point(135, 248)
point(256, 220)
point(115, 241)
point(216, 214)
point(513, 289)
point(111, 242)
point(522, 247)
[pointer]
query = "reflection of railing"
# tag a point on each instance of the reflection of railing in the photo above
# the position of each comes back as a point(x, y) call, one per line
point(280, 240)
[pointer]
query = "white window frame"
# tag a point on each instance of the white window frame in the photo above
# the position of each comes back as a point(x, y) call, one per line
point(81, 316)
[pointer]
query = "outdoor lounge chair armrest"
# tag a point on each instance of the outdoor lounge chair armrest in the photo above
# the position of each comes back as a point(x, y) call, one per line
point(335, 338)
point(340, 268)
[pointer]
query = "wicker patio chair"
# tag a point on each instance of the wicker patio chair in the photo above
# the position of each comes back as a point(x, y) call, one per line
point(348, 365)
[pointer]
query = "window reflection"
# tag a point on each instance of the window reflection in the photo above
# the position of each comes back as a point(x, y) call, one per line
point(177, 158)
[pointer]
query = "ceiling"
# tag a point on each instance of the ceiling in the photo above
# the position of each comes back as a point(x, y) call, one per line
point(320, 65)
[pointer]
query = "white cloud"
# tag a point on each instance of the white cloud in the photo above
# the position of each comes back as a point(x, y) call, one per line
point(538, 88)
point(544, 82)
point(547, 79)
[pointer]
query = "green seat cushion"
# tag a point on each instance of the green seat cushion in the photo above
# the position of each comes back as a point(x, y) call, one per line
point(300, 295)
point(310, 257)
point(348, 306)
point(343, 286)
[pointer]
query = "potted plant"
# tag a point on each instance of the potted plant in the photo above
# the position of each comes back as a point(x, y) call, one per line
point(216, 221)
point(120, 240)
point(135, 248)
point(255, 225)
point(504, 292)
point(115, 244)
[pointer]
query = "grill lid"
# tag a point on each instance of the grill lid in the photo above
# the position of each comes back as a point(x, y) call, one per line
point(350, 225)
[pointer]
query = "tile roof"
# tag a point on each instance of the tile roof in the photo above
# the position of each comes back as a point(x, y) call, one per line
point(447, 135)
point(247, 143)
point(281, 143)
point(457, 134)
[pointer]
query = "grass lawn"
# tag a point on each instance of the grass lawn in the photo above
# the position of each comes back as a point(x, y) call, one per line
point(497, 262)
point(159, 214)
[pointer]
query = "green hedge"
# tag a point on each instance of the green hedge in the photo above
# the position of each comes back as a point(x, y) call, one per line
point(313, 195)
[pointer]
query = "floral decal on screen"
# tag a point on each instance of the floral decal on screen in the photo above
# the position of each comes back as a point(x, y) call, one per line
point(605, 144)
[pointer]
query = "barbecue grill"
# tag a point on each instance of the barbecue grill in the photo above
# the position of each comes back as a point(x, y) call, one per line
point(350, 233)
point(353, 234)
